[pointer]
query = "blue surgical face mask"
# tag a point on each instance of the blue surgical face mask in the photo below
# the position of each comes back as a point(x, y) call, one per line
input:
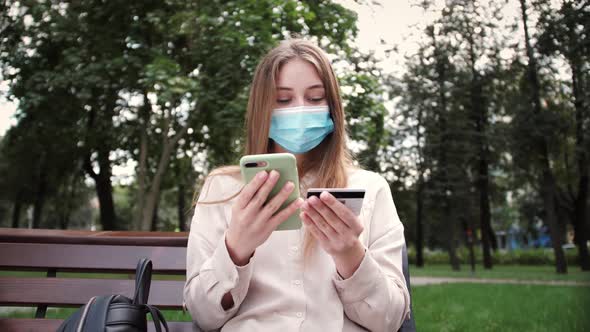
point(300, 129)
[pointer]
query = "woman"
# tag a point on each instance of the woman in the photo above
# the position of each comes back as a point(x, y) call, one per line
point(340, 272)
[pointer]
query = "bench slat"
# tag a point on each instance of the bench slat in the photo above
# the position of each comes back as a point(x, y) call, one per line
point(164, 294)
point(73, 257)
point(50, 325)
point(133, 238)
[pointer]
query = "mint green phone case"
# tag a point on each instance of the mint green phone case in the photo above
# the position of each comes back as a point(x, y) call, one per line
point(286, 165)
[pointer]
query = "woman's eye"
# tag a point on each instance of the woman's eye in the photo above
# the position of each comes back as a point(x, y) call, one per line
point(283, 101)
point(316, 100)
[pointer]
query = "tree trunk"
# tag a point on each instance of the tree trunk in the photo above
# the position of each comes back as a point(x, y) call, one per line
point(548, 191)
point(480, 117)
point(154, 192)
point(181, 207)
point(102, 179)
point(104, 189)
point(419, 197)
point(581, 199)
point(142, 167)
point(154, 225)
point(483, 172)
point(446, 189)
point(493, 239)
point(39, 204)
point(580, 226)
point(441, 69)
point(68, 203)
point(547, 183)
point(485, 215)
point(64, 221)
point(374, 144)
point(452, 241)
point(419, 228)
point(16, 211)
point(40, 193)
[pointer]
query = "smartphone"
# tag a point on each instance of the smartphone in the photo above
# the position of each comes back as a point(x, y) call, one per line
point(286, 165)
point(351, 198)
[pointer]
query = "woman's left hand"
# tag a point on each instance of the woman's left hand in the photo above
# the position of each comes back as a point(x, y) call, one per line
point(337, 230)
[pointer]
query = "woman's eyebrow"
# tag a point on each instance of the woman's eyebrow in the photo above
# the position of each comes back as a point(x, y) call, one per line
point(315, 86)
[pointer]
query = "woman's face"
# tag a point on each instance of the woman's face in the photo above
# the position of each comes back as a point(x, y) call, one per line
point(298, 84)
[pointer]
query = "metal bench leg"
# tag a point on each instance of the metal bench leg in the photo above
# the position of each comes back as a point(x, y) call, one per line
point(42, 309)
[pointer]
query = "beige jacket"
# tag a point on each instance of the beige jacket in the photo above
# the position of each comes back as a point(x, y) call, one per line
point(279, 289)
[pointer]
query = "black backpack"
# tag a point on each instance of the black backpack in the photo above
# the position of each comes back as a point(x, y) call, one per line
point(118, 313)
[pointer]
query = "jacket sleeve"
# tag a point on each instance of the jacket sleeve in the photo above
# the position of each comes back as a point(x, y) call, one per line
point(210, 271)
point(376, 296)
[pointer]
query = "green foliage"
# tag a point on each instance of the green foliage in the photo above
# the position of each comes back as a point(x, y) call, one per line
point(96, 78)
point(366, 113)
point(465, 97)
point(435, 105)
point(105, 84)
point(538, 256)
point(514, 272)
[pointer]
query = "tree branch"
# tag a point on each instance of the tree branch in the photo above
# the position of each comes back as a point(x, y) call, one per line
point(88, 167)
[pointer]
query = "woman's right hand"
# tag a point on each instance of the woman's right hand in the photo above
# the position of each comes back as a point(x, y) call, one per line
point(252, 220)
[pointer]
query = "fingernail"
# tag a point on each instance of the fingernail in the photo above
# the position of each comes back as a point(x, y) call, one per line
point(274, 173)
point(299, 202)
point(261, 174)
point(289, 185)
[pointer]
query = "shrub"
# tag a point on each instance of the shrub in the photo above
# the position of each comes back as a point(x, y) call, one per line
point(533, 256)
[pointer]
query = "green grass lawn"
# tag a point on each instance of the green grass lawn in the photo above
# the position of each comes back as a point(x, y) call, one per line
point(521, 272)
point(487, 307)
point(472, 307)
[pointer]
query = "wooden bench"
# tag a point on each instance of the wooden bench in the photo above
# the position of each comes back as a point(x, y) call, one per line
point(85, 252)
point(56, 253)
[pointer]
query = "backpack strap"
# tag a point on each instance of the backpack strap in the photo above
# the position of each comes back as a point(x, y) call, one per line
point(143, 279)
point(94, 316)
point(158, 318)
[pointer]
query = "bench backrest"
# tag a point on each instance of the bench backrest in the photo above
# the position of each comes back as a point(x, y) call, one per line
point(74, 266)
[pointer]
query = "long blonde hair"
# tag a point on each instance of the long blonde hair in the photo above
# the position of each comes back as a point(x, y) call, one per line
point(330, 159)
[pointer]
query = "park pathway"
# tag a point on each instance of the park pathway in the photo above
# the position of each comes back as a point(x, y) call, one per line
point(420, 281)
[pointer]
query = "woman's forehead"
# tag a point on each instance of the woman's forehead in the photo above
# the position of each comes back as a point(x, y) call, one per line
point(297, 74)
